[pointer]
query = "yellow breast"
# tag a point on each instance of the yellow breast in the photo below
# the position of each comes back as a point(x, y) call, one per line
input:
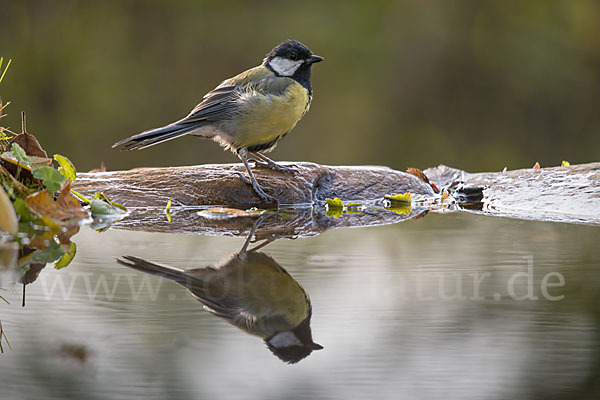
point(267, 117)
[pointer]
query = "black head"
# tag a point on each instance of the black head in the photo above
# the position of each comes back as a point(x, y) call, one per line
point(295, 345)
point(292, 59)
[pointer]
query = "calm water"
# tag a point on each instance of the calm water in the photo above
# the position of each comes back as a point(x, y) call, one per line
point(452, 306)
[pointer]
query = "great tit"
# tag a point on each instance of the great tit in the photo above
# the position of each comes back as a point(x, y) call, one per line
point(250, 112)
point(251, 291)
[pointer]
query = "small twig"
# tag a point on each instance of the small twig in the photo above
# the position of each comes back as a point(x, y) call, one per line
point(107, 200)
point(3, 334)
point(22, 188)
point(23, 122)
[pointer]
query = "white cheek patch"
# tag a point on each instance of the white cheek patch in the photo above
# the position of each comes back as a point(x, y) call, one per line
point(285, 67)
point(285, 339)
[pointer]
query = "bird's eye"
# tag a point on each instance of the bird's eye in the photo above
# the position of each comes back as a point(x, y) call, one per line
point(293, 56)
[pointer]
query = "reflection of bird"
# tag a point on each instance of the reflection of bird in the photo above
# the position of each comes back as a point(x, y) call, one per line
point(250, 112)
point(253, 292)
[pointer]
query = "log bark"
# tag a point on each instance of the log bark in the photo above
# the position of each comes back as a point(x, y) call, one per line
point(559, 194)
point(563, 194)
point(220, 185)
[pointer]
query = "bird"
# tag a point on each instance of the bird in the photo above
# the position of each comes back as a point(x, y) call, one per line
point(248, 113)
point(251, 291)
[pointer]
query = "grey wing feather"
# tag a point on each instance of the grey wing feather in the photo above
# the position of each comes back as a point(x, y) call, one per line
point(218, 104)
point(222, 102)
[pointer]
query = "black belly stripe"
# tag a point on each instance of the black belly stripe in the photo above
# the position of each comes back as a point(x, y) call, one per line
point(266, 146)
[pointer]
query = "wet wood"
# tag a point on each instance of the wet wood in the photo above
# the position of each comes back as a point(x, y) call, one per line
point(563, 194)
point(560, 194)
point(205, 185)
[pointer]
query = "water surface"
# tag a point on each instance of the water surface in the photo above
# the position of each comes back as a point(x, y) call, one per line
point(455, 306)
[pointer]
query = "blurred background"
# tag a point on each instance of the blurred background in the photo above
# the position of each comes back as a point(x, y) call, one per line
point(478, 85)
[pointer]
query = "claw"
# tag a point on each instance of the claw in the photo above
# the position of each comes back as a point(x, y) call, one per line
point(268, 163)
point(276, 167)
point(243, 178)
point(265, 197)
point(258, 189)
point(281, 168)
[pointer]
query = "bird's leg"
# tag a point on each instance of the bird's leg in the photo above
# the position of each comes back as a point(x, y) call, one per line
point(268, 163)
point(263, 244)
point(243, 155)
point(244, 249)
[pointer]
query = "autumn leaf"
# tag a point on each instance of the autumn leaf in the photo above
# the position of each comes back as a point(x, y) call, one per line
point(69, 204)
point(420, 174)
point(30, 145)
point(66, 206)
point(225, 213)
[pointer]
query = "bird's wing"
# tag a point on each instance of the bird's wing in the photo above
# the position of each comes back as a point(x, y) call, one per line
point(213, 290)
point(217, 105)
point(223, 102)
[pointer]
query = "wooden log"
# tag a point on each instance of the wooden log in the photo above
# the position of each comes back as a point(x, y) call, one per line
point(559, 194)
point(563, 194)
point(205, 185)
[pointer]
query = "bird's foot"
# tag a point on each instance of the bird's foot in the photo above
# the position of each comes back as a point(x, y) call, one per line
point(258, 189)
point(243, 178)
point(276, 167)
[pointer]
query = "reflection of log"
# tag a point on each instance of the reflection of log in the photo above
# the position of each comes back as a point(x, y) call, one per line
point(204, 185)
point(289, 223)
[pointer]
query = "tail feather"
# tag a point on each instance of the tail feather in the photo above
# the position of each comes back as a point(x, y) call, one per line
point(155, 136)
point(171, 273)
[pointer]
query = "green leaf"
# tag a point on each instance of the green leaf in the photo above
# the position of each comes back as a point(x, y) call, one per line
point(103, 208)
point(19, 154)
point(53, 252)
point(50, 177)
point(66, 259)
point(103, 197)
point(22, 210)
point(66, 167)
point(81, 197)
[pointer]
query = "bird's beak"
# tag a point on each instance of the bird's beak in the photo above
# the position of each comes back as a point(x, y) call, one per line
point(315, 346)
point(315, 59)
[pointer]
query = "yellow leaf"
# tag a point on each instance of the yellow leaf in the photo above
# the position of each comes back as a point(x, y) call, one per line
point(334, 203)
point(404, 197)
